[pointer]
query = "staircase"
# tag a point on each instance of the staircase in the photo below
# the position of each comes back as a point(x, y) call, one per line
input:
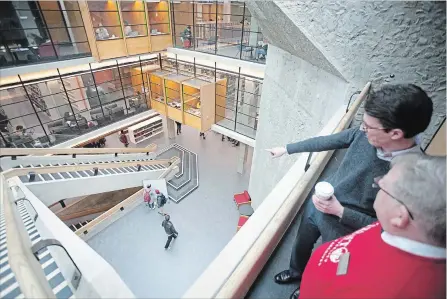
point(9, 287)
point(187, 179)
point(86, 173)
point(75, 227)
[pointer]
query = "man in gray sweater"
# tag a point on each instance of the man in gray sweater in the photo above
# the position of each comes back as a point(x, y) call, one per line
point(394, 115)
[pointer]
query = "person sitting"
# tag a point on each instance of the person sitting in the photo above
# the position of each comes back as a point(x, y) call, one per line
point(394, 115)
point(128, 30)
point(102, 33)
point(405, 260)
point(261, 50)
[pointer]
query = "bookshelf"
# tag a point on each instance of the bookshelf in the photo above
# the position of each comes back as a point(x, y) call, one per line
point(145, 130)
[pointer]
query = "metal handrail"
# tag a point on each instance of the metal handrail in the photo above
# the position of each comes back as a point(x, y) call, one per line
point(35, 211)
point(28, 271)
point(53, 242)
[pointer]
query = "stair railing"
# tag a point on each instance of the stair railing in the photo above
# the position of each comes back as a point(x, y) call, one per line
point(27, 270)
point(14, 152)
point(32, 171)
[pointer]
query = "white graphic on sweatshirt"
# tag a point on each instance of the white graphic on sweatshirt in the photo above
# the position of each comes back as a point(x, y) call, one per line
point(340, 246)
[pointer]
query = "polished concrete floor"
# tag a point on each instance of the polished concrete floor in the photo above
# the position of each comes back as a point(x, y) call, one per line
point(206, 220)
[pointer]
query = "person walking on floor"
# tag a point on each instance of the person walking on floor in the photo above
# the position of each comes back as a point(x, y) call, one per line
point(123, 139)
point(179, 127)
point(170, 230)
point(161, 201)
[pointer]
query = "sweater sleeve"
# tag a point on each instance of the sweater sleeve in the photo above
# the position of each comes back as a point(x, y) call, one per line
point(356, 219)
point(324, 143)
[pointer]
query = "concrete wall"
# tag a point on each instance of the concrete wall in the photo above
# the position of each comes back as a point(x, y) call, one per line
point(378, 41)
point(353, 41)
point(297, 101)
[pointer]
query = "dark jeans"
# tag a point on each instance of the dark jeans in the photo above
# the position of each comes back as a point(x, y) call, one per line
point(313, 225)
point(168, 242)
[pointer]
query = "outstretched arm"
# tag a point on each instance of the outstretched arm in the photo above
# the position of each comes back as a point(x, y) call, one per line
point(323, 143)
point(317, 144)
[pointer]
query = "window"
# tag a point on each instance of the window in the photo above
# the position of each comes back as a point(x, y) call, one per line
point(158, 14)
point(237, 103)
point(105, 19)
point(40, 31)
point(218, 27)
point(134, 18)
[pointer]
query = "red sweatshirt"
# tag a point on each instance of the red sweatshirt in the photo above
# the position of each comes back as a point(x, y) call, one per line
point(375, 270)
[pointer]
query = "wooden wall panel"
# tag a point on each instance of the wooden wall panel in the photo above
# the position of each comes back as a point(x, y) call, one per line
point(161, 42)
point(437, 146)
point(138, 45)
point(111, 48)
point(208, 106)
point(89, 29)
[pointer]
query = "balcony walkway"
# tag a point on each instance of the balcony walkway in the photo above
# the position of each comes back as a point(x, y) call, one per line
point(206, 220)
point(265, 287)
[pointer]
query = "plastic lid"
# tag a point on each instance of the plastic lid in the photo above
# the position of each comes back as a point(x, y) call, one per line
point(324, 189)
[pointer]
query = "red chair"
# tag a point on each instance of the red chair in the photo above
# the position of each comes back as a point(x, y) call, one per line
point(242, 198)
point(241, 222)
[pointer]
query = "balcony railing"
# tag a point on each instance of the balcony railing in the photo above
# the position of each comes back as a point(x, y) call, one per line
point(235, 269)
point(86, 272)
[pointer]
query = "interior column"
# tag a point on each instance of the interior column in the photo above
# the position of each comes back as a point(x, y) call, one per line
point(242, 157)
point(170, 128)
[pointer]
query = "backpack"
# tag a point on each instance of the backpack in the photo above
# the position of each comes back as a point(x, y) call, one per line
point(163, 199)
point(146, 196)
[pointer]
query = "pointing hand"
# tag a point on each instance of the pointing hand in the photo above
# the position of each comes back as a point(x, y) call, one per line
point(277, 151)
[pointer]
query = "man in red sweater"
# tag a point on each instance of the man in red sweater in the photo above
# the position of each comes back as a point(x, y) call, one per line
point(401, 256)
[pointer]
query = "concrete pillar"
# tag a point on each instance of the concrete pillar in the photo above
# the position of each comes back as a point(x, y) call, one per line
point(170, 124)
point(227, 11)
point(298, 99)
point(242, 157)
point(253, 38)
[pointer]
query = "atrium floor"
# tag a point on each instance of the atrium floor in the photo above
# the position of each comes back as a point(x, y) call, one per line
point(206, 220)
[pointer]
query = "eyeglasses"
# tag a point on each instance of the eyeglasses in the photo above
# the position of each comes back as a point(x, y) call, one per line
point(364, 127)
point(377, 186)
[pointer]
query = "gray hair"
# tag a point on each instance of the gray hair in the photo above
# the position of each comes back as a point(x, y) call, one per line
point(422, 186)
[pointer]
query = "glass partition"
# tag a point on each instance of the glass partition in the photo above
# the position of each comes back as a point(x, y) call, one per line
point(237, 102)
point(134, 18)
point(105, 19)
point(218, 27)
point(41, 31)
point(49, 111)
point(158, 13)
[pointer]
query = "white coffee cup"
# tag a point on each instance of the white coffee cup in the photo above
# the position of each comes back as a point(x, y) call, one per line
point(324, 190)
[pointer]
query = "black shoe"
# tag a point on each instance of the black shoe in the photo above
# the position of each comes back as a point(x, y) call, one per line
point(286, 277)
point(295, 294)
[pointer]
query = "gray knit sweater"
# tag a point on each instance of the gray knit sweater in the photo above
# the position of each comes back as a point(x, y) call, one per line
point(354, 178)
